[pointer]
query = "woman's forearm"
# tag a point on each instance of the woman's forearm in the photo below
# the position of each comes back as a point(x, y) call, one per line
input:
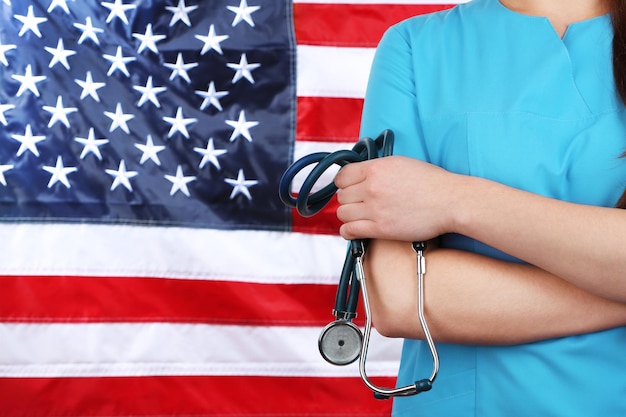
point(399, 198)
point(583, 244)
point(473, 299)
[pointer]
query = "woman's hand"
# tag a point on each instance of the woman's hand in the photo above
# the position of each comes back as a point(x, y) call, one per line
point(396, 198)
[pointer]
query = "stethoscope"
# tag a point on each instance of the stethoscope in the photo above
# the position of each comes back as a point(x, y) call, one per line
point(341, 342)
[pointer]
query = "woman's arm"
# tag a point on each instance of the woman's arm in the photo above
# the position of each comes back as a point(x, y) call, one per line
point(398, 198)
point(472, 299)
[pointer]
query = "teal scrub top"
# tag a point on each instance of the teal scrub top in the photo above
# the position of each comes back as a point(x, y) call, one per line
point(485, 91)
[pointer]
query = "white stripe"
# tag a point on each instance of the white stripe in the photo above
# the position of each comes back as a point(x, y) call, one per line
point(95, 350)
point(332, 71)
point(169, 252)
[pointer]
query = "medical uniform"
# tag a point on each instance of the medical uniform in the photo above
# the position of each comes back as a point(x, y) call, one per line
point(485, 91)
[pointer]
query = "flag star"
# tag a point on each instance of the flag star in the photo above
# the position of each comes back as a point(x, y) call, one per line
point(3, 108)
point(119, 119)
point(241, 126)
point(3, 51)
point(118, 9)
point(28, 81)
point(148, 40)
point(181, 12)
point(150, 151)
point(28, 142)
point(240, 185)
point(122, 177)
point(210, 154)
point(3, 169)
point(91, 145)
point(90, 88)
point(89, 31)
point(179, 69)
point(118, 62)
point(179, 123)
point(212, 41)
point(59, 54)
point(149, 92)
point(211, 97)
point(179, 182)
point(59, 3)
point(59, 173)
point(243, 12)
point(243, 69)
point(59, 113)
point(30, 22)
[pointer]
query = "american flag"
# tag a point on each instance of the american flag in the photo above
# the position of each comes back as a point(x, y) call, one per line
point(147, 265)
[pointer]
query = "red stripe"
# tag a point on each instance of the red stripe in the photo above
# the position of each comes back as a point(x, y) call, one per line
point(96, 299)
point(354, 25)
point(328, 119)
point(189, 396)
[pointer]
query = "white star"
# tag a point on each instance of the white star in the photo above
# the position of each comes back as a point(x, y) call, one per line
point(90, 88)
point(28, 81)
point(118, 9)
point(243, 12)
point(3, 108)
point(122, 176)
point(179, 182)
point(181, 12)
point(210, 154)
point(150, 151)
point(3, 50)
point(59, 113)
point(212, 41)
point(240, 185)
point(59, 173)
point(89, 31)
point(59, 3)
point(30, 22)
point(28, 141)
point(119, 119)
point(60, 54)
point(149, 92)
point(148, 40)
point(3, 169)
point(243, 69)
point(211, 97)
point(241, 126)
point(91, 145)
point(179, 123)
point(179, 69)
point(118, 62)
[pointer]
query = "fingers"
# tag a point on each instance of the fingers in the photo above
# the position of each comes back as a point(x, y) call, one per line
point(350, 174)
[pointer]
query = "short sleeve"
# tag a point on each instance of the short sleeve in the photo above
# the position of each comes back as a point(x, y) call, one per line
point(390, 101)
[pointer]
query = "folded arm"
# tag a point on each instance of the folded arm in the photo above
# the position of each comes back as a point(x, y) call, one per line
point(472, 299)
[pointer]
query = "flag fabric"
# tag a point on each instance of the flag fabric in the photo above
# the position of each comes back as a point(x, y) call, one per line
point(147, 265)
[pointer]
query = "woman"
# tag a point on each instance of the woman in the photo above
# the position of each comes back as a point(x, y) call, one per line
point(509, 130)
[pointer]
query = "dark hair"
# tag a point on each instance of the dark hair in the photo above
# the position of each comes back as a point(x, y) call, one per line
point(618, 19)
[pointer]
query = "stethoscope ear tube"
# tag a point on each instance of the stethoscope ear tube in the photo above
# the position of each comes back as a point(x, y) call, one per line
point(421, 385)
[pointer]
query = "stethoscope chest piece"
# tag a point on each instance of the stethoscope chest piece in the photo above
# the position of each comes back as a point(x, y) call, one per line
point(340, 342)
